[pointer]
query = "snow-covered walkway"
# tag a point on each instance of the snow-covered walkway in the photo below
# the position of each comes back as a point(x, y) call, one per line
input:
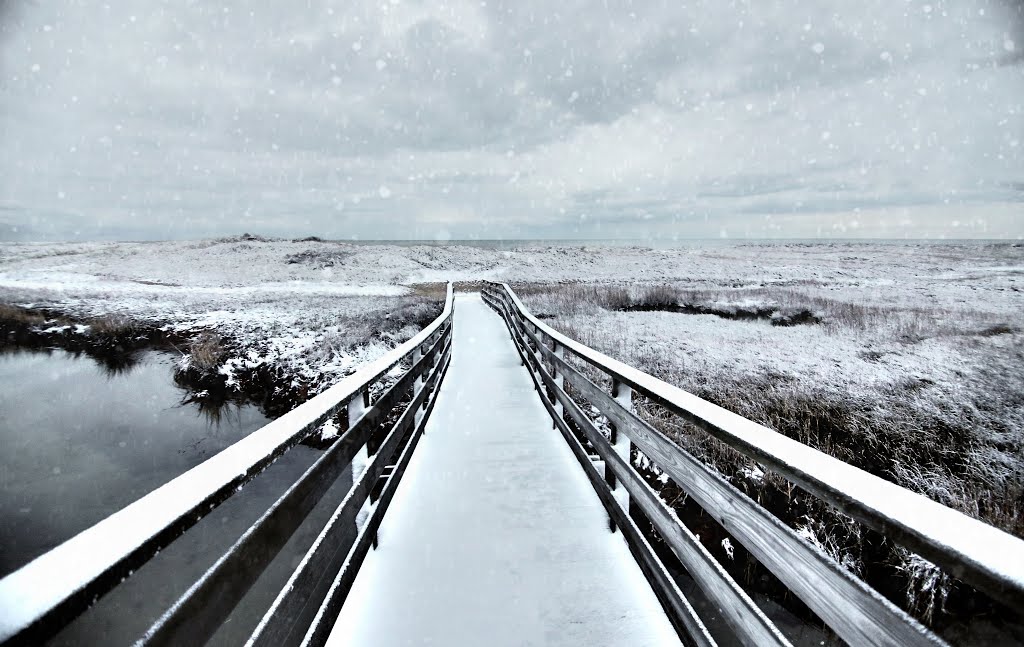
point(495, 536)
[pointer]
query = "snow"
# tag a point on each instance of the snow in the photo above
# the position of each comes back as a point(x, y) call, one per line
point(808, 355)
point(753, 473)
point(969, 540)
point(495, 535)
point(727, 546)
point(38, 586)
point(329, 430)
point(315, 323)
point(296, 305)
point(170, 272)
point(284, 299)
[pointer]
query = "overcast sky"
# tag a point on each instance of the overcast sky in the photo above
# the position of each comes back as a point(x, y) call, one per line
point(512, 119)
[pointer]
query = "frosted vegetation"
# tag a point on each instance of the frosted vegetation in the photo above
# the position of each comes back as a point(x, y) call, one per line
point(935, 393)
point(905, 359)
point(909, 366)
point(236, 317)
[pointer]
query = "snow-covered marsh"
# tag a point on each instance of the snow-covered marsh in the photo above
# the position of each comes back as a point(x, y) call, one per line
point(935, 328)
point(230, 310)
point(912, 381)
point(934, 392)
point(318, 308)
point(910, 363)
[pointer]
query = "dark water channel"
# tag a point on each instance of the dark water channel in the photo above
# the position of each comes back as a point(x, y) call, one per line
point(80, 440)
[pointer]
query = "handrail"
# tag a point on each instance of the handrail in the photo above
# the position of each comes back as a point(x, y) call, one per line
point(984, 556)
point(988, 558)
point(47, 593)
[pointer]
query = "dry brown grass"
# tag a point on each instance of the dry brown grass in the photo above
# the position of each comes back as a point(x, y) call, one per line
point(958, 444)
point(838, 317)
point(409, 315)
point(573, 298)
point(437, 290)
point(207, 351)
point(22, 316)
point(660, 295)
point(113, 325)
point(468, 286)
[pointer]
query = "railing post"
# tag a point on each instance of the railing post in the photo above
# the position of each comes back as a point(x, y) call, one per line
point(531, 348)
point(435, 356)
point(559, 352)
point(417, 353)
point(537, 353)
point(524, 338)
point(421, 380)
point(622, 446)
point(527, 341)
point(357, 406)
point(512, 312)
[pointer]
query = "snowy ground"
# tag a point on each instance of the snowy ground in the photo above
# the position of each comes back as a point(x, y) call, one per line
point(914, 367)
point(314, 307)
point(922, 344)
point(512, 539)
point(911, 365)
point(954, 275)
point(946, 389)
point(315, 324)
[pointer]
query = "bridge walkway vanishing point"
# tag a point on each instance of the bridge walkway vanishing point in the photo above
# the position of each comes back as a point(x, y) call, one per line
point(495, 536)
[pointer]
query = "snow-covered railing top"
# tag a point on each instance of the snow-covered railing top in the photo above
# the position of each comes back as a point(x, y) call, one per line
point(57, 586)
point(981, 555)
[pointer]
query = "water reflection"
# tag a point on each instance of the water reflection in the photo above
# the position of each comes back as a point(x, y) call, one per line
point(114, 360)
point(85, 434)
point(115, 364)
point(216, 404)
point(215, 410)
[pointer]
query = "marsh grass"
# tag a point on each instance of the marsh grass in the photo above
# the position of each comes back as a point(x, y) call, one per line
point(207, 351)
point(16, 315)
point(114, 325)
point(391, 326)
point(276, 362)
point(436, 290)
point(958, 442)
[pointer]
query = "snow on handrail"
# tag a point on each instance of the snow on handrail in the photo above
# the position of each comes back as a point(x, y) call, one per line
point(65, 581)
point(986, 557)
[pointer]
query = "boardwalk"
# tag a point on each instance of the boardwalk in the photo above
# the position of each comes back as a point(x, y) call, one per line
point(491, 531)
point(495, 536)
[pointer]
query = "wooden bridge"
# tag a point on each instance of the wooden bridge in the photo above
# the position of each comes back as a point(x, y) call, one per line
point(481, 504)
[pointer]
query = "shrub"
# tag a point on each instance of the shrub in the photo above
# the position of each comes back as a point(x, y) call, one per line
point(659, 296)
point(206, 351)
point(16, 315)
point(113, 325)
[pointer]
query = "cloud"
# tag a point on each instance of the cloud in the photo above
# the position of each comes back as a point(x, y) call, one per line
point(511, 119)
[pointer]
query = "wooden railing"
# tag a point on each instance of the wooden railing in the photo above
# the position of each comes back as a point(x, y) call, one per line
point(45, 595)
point(990, 560)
